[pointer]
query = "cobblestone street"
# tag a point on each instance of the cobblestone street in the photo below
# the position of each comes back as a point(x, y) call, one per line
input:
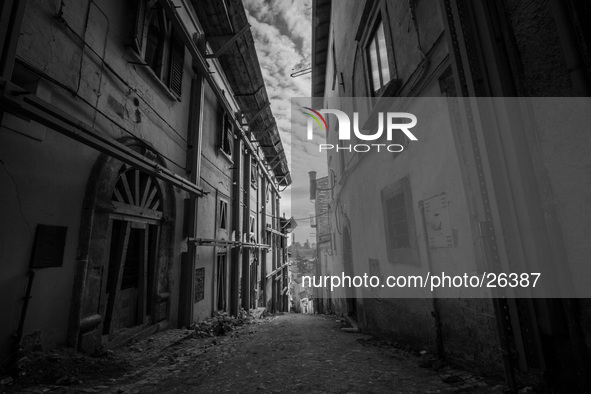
point(285, 353)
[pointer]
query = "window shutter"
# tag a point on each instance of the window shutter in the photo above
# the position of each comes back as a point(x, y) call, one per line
point(177, 60)
point(230, 137)
point(223, 134)
point(138, 28)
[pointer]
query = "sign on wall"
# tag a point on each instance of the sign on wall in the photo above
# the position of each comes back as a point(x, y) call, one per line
point(438, 220)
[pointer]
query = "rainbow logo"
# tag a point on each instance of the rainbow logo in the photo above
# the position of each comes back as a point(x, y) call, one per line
point(315, 118)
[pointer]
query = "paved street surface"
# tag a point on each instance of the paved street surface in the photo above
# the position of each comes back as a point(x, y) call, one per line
point(285, 353)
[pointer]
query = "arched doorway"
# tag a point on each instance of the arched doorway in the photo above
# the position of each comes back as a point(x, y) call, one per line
point(135, 225)
point(125, 254)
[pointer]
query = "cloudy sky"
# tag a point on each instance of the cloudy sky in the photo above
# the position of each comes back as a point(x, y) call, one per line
point(282, 31)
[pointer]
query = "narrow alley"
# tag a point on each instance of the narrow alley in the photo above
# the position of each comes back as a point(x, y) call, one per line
point(326, 196)
point(283, 353)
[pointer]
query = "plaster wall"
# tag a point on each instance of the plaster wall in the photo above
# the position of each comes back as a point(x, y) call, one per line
point(45, 174)
point(432, 167)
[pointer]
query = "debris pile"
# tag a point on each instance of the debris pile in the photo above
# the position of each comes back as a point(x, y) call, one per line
point(61, 367)
point(223, 323)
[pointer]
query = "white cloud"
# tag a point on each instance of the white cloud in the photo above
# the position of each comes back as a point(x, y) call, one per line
point(282, 31)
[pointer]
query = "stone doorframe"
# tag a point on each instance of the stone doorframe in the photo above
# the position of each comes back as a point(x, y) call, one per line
point(86, 321)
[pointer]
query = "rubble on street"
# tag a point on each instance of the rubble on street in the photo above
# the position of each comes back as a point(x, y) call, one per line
point(65, 370)
point(253, 351)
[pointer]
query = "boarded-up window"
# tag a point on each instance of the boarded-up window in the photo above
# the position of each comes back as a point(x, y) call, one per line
point(399, 223)
point(49, 246)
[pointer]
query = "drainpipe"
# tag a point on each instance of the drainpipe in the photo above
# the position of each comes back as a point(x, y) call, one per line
point(202, 66)
point(276, 255)
point(285, 272)
point(11, 21)
point(246, 233)
point(266, 239)
point(582, 87)
point(236, 228)
point(572, 54)
point(185, 317)
point(435, 313)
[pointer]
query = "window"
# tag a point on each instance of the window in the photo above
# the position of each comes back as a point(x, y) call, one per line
point(377, 55)
point(227, 135)
point(155, 41)
point(223, 214)
point(252, 229)
point(334, 67)
point(399, 226)
point(254, 175)
point(397, 222)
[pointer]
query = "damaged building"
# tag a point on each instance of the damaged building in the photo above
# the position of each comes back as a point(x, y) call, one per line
point(504, 196)
point(141, 171)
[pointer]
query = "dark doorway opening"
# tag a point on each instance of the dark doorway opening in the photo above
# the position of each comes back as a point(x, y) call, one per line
point(348, 266)
point(221, 283)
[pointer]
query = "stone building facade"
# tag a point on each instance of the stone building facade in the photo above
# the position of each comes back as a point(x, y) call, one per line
point(503, 188)
point(141, 171)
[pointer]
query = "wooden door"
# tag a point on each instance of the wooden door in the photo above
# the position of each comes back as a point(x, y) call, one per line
point(130, 281)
